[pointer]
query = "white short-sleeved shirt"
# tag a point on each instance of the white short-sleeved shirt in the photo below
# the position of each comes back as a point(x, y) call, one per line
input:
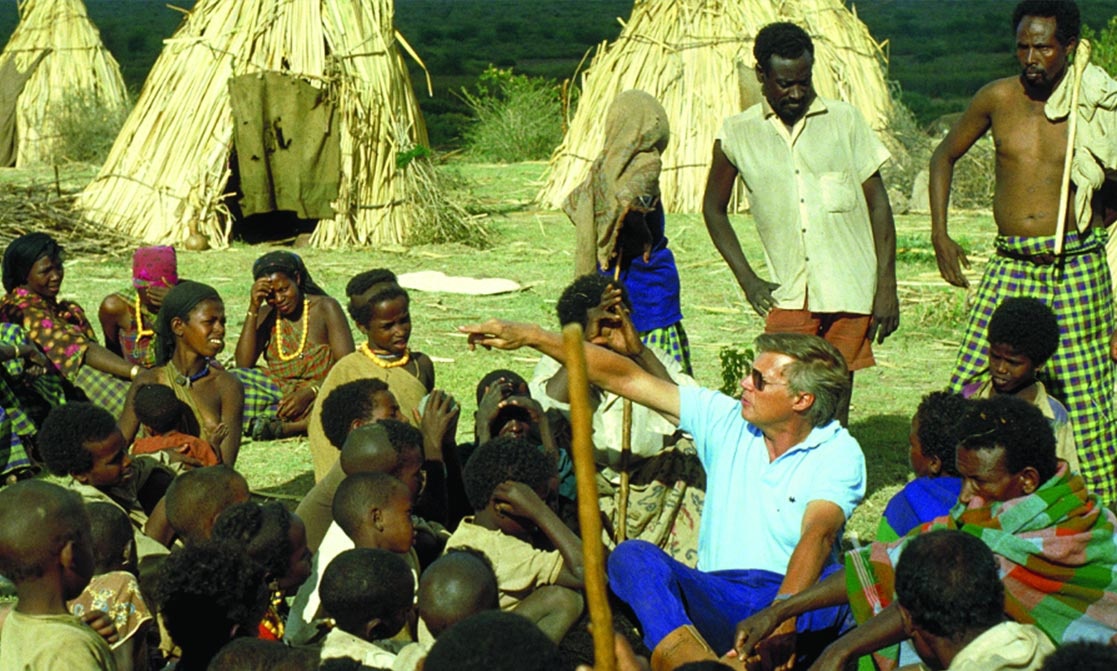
point(754, 508)
point(804, 191)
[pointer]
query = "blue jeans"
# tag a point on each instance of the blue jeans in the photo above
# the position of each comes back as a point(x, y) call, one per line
point(666, 595)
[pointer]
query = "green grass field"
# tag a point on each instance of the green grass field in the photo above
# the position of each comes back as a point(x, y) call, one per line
point(533, 247)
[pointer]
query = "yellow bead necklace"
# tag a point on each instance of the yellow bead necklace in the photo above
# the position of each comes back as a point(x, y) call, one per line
point(283, 356)
point(386, 363)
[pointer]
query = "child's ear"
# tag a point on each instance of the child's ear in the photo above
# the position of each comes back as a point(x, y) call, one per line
point(83, 478)
point(369, 628)
point(66, 556)
point(935, 465)
point(378, 519)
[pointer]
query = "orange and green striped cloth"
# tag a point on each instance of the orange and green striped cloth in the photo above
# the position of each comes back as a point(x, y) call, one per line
point(1056, 551)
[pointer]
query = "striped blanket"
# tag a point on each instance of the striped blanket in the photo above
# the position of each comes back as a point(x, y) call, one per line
point(1057, 555)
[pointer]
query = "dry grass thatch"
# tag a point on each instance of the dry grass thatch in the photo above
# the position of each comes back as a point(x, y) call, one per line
point(169, 168)
point(695, 56)
point(76, 65)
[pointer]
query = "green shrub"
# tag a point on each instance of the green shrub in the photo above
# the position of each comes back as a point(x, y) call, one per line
point(86, 129)
point(1103, 46)
point(735, 362)
point(517, 118)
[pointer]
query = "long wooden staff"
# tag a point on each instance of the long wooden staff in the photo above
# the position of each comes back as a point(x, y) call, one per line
point(589, 515)
point(626, 447)
point(1081, 59)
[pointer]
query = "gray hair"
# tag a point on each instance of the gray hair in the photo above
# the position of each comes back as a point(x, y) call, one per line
point(819, 369)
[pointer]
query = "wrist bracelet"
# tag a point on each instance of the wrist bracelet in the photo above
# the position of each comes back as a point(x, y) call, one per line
point(250, 313)
point(134, 372)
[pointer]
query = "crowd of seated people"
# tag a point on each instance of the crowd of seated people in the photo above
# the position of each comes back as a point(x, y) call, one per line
point(130, 541)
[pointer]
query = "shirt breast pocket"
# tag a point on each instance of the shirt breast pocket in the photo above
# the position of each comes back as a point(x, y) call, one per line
point(838, 192)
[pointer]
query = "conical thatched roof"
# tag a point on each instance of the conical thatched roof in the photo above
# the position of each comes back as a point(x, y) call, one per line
point(695, 56)
point(60, 49)
point(170, 167)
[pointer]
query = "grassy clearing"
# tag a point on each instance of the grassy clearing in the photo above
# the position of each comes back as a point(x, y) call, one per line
point(533, 247)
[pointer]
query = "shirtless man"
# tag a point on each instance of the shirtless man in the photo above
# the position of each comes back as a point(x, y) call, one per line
point(1030, 152)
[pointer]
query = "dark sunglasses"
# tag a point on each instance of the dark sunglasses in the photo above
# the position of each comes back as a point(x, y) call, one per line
point(758, 381)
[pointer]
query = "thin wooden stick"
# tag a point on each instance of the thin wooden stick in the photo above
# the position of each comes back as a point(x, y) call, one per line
point(626, 445)
point(589, 515)
point(1081, 58)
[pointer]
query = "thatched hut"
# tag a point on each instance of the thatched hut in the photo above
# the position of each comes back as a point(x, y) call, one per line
point(302, 107)
point(54, 62)
point(695, 56)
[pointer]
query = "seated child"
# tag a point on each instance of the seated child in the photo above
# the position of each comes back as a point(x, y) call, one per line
point(494, 641)
point(372, 510)
point(197, 498)
point(114, 589)
point(457, 586)
point(167, 426)
point(934, 491)
point(208, 594)
point(275, 539)
point(381, 310)
point(351, 406)
point(460, 584)
point(45, 549)
point(253, 654)
point(666, 489)
point(370, 595)
point(508, 480)
point(1023, 334)
point(82, 441)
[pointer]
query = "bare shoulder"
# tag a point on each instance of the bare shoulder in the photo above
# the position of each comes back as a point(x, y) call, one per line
point(998, 93)
point(227, 382)
point(327, 306)
point(147, 376)
point(114, 304)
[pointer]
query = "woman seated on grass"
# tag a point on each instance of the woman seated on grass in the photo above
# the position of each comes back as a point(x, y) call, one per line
point(33, 273)
point(191, 332)
point(27, 392)
point(301, 332)
point(128, 317)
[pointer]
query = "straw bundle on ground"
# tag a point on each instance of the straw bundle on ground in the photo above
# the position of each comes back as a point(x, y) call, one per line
point(56, 50)
point(695, 56)
point(169, 170)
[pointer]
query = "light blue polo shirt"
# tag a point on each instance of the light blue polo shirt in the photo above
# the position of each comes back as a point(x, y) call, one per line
point(754, 509)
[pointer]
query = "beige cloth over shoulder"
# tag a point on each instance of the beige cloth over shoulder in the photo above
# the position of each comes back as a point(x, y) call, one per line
point(636, 132)
point(1095, 141)
point(1009, 646)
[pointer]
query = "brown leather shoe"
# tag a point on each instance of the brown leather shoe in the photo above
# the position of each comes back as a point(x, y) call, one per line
point(682, 645)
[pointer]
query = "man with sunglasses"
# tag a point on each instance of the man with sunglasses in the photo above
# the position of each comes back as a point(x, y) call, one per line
point(783, 476)
point(811, 171)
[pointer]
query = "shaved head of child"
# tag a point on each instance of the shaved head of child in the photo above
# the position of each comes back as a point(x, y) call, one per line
point(456, 586)
point(197, 497)
point(44, 543)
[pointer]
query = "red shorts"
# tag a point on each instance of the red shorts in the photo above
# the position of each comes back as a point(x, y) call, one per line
point(846, 331)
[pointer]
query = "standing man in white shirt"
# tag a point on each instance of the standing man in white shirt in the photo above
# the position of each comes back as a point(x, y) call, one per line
point(811, 170)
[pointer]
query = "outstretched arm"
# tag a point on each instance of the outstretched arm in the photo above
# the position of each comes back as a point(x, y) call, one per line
point(970, 126)
point(715, 204)
point(886, 305)
point(606, 369)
